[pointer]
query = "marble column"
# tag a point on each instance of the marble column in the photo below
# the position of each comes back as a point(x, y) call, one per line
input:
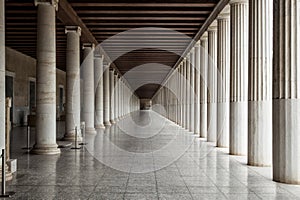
point(46, 79)
point(99, 111)
point(187, 90)
point(2, 74)
point(106, 96)
point(192, 90)
point(212, 83)
point(260, 83)
point(73, 83)
point(223, 78)
point(88, 88)
point(112, 95)
point(116, 103)
point(197, 88)
point(184, 112)
point(238, 77)
point(203, 84)
point(286, 92)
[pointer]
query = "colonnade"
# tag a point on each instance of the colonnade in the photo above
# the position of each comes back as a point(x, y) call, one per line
point(106, 96)
point(232, 66)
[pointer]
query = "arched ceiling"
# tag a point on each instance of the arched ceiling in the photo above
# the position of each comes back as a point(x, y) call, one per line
point(179, 20)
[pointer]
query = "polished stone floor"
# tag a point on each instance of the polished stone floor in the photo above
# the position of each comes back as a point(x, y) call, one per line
point(143, 156)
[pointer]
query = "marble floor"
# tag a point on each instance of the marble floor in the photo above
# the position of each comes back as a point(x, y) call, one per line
point(143, 156)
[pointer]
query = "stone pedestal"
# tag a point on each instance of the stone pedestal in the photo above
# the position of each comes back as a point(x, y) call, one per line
point(46, 79)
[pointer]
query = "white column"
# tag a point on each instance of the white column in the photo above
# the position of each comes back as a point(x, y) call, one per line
point(46, 79)
point(197, 88)
point(116, 98)
point(286, 92)
point(203, 85)
point(223, 78)
point(99, 115)
point(88, 88)
point(106, 96)
point(212, 83)
point(192, 90)
point(260, 83)
point(183, 94)
point(187, 90)
point(112, 95)
point(2, 75)
point(238, 77)
point(73, 83)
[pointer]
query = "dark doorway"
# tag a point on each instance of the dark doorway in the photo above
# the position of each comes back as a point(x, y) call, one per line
point(32, 97)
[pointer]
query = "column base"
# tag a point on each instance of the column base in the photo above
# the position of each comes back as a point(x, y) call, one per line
point(72, 138)
point(107, 124)
point(45, 150)
point(90, 130)
point(112, 121)
point(100, 126)
point(8, 174)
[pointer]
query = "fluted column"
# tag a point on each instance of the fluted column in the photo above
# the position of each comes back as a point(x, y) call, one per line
point(73, 83)
point(188, 88)
point(112, 95)
point(116, 98)
point(106, 96)
point(212, 83)
point(88, 88)
point(98, 63)
point(238, 77)
point(2, 74)
point(286, 92)
point(203, 84)
point(184, 100)
point(46, 79)
point(223, 79)
point(197, 88)
point(260, 83)
point(192, 90)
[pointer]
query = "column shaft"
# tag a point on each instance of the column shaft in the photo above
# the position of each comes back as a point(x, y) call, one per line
point(238, 77)
point(46, 80)
point(197, 88)
point(99, 120)
point(212, 84)
point(88, 88)
point(223, 80)
point(260, 83)
point(112, 96)
point(106, 96)
point(73, 83)
point(2, 74)
point(192, 90)
point(203, 85)
point(286, 92)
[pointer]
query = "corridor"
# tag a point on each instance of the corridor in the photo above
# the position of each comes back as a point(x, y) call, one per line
point(159, 160)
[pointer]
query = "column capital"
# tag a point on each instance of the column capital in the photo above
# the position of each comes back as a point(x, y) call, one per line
point(204, 36)
point(53, 3)
point(88, 45)
point(73, 29)
point(98, 56)
point(213, 27)
point(197, 44)
point(225, 13)
point(238, 2)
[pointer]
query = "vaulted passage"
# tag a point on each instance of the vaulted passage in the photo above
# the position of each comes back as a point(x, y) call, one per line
point(141, 99)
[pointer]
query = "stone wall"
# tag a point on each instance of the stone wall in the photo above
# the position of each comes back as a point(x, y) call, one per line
point(23, 69)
